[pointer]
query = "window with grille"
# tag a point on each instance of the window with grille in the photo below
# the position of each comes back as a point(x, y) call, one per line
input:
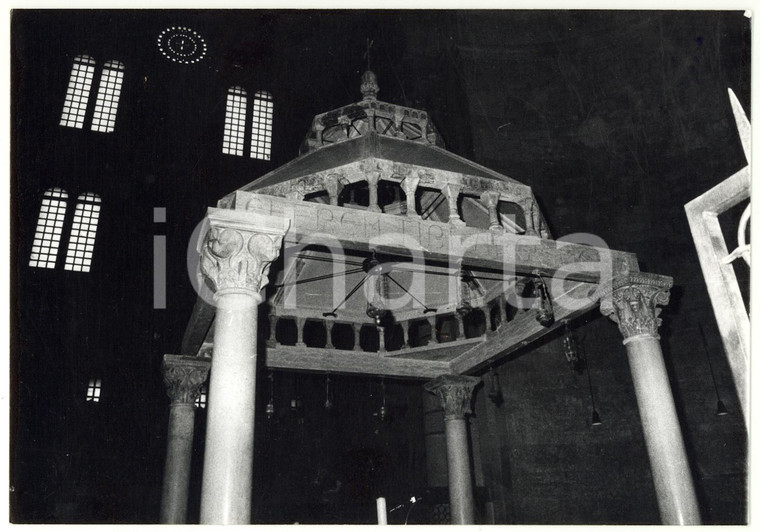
point(236, 113)
point(201, 401)
point(78, 92)
point(107, 102)
point(93, 390)
point(47, 236)
point(83, 229)
point(261, 126)
point(234, 121)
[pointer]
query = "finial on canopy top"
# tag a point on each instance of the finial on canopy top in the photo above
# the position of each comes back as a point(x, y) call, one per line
point(369, 86)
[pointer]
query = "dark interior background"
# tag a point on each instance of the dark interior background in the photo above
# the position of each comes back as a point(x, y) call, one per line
point(616, 119)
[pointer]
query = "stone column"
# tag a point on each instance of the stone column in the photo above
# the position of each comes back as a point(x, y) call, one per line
point(333, 186)
point(404, 334)
point(491, 200)
point(372, 180)
point(300, 323)
point(459, 320)
point(184, 376)
point(272, 341)
point(452, 194)
point(528, 206)
point(433, 333)
point(381, 339)
point(328, 335)
point(633, 305)
point(236, 252)
point(357, 336)
point(455, 394)
point(409, 186)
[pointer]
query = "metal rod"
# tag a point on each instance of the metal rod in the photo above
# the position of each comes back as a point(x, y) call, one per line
point(427, 309)
point(319, 278)
point(354, 289)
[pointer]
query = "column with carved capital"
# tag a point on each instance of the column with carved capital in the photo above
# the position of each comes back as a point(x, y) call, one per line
point(373, 178)
point(409, 186)
point(452, 191)
point(184, 376)
point(633, 303)
point(491, 200)
point(455, 394)
point(236, 251)
point(333, 186)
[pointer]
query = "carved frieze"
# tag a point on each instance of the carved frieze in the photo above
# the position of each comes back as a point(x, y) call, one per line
point(184, 376)
point(455, 393)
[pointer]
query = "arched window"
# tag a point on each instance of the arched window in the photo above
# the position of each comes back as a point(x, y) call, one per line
point(107, 101)
point(83, 229)
point(261, 129)
point(80, 87)
point(261, 123)
point(78, 91)
point(234, 121)
point(47, 236)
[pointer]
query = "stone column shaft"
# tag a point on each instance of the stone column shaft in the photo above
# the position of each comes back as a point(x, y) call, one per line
point(357, 336)
point(433, 332)
point(272, 341)
point(633, 305)
point(460, 326)
point(502, 309)
point(455, 394)
point(373, 179)
point(409, 186)
point(334, 186)
point(381, 339)
point(328, 335)
point(236, 253)
point(184, 377)
point(452, 194)
point(300, 323)
point(404, 334)
point(491, 200)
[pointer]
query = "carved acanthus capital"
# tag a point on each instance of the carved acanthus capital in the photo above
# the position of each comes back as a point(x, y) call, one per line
point(633, 303)
point(455, 393)
point(238, 248)
point(184, 376)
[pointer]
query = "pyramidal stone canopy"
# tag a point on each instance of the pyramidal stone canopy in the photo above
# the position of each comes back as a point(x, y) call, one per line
point(345, 145)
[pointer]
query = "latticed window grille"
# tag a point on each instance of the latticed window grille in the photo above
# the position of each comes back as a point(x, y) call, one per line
point(78, 92)
point(83, 229)
point(261, 126)
point(47, 236)
point(93, 390)
point(109, 92)
point(201, 401)
point(234, 121)
point(236, 113)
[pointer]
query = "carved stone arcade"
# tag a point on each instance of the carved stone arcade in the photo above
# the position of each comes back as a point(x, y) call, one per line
point(375, 178)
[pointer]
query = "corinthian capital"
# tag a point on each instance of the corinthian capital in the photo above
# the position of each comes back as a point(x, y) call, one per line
point(455, 393)
point(184, 377)
point(238, 247)
point(632, 303)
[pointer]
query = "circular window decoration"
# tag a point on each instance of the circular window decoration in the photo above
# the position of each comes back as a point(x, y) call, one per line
point(182, 45)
